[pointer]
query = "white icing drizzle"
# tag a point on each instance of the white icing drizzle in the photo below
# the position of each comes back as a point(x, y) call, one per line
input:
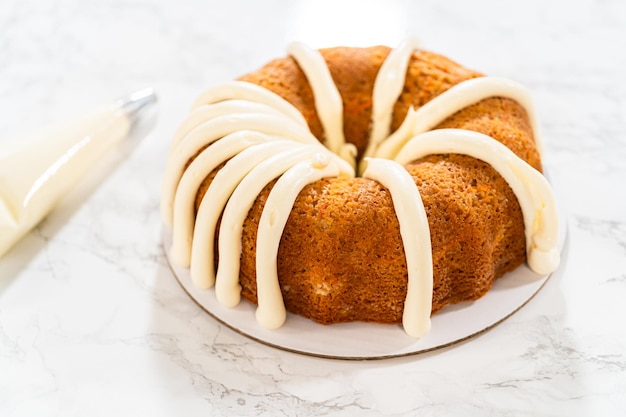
point(328, 102)
point(206, 112)
point(415, 234)
point(214, 129)
point(531, 188)
point(212, 205)
point(387, 88)
point(227, 288)
point(198, 170)
point(456, 98)
point(242, 90)
point(271, 309)
point(259, 137)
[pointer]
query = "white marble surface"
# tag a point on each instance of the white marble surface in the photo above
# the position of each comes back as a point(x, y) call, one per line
point(92, 322)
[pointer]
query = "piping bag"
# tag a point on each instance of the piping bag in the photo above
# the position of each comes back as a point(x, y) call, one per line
point(44, 166)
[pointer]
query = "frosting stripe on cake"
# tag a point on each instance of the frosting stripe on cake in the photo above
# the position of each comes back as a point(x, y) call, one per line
point(214, 129)
point(387, 88)
point(206, 112)
point(271, 312)
point(212, 205)
point(415, 234)
point(458, 97)
point(227, 288)
point(328, 101)
point(196, 172)
point(235, 97)
point(242, 90)
point(531, 188)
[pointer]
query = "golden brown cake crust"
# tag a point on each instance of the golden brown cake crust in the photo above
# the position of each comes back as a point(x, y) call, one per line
point(341, 257)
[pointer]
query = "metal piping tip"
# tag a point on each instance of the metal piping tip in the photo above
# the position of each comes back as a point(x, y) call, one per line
point(136, 103)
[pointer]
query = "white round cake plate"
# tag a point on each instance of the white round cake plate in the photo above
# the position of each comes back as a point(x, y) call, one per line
point(361, 341)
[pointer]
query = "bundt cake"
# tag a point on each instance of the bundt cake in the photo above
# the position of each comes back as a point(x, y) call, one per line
point(358, 184)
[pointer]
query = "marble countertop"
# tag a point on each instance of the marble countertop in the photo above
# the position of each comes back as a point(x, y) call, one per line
point(92, 323)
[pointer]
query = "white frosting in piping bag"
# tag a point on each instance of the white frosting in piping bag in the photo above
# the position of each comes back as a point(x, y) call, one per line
point(56, 159)
point(36, 174)
point(260, 137)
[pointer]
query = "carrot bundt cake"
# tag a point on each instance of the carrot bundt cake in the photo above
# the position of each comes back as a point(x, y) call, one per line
point(358, 184)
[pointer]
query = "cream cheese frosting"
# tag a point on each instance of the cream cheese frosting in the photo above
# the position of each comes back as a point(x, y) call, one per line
point(415, 234)
point(387, 88)
point(328, 103)
point(456, 98)
point(271, 310)
point(227, 289)
point(212, 205)
point(531, 188)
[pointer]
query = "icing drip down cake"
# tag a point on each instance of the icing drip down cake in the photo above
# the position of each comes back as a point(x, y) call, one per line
point(358, 184)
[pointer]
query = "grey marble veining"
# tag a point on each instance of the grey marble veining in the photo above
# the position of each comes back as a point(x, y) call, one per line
point(91, 320)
